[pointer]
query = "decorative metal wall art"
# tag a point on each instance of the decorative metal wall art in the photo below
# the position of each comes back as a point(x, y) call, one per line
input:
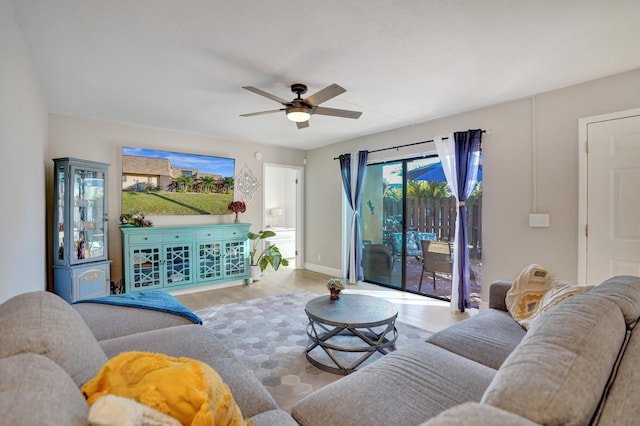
point(246, 184)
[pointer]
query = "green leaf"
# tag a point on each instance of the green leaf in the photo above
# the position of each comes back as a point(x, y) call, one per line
point(267, 234)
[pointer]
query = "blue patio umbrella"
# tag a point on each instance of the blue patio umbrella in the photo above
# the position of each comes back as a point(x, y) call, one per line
point(432, 173)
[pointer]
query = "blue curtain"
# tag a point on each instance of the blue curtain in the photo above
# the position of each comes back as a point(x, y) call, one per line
point(354, 251)
point(467, 154)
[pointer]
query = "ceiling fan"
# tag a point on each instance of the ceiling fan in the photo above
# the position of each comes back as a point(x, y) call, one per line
point(299, 110)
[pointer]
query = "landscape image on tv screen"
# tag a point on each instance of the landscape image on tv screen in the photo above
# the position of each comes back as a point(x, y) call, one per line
point(172, 183)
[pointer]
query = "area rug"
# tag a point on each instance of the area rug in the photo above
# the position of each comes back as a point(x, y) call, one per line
point(269, 336)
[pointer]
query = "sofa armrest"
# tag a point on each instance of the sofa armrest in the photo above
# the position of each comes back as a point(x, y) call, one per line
point(497, 294)
point(477, 414)
point(110, 321)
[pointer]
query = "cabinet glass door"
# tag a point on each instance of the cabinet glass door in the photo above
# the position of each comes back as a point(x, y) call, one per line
point(209, 261)
point(235, 258)
point(145, 268)
point(177, 264)
point(87, 214)
point(58, 214)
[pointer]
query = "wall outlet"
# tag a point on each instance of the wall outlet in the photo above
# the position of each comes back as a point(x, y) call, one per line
point(538, 220)
point(319, 258)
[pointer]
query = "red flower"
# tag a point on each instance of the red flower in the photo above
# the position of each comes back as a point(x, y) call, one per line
point(237, 207)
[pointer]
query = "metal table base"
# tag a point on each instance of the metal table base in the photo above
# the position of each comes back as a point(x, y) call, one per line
point(368, 320)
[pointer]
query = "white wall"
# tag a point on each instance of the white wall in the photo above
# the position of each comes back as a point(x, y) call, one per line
point(509, 244)
point(23, 138)
point(102, 141)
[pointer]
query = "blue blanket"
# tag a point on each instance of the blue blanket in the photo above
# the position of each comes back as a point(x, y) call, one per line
point(156, 300)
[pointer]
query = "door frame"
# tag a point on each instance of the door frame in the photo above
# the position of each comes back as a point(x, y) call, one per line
point(299, 207)
point(583, 173)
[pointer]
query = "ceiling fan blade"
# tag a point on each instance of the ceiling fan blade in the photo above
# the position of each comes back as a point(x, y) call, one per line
point(325, 94)
point(344, 113)
point(302, 124)
point(251, 114)
point(265, 94)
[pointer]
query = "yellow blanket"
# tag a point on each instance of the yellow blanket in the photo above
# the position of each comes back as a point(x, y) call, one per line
point(183, 388)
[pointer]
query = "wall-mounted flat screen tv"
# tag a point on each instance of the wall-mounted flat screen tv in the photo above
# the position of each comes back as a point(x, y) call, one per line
point(172, 183)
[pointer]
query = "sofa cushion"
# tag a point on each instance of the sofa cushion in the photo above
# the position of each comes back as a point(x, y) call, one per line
point(43, 323)
point(560, 369)
point(183, 388)
point(124, 320)
point(621, 406)
point(408, 386)
point(498, 293)
point(36, 391)
point(274, 418)
point(478, 415)
point(198, 342)
point(624, 291)
point(488, 337)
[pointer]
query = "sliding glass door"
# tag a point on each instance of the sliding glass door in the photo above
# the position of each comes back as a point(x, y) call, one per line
point(408, 227)
point(382, 221)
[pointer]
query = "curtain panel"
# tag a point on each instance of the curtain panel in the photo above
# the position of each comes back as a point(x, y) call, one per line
point(460, 157)
point(353, 194)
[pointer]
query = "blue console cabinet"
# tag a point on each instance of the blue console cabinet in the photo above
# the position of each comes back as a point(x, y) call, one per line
point(178, 257)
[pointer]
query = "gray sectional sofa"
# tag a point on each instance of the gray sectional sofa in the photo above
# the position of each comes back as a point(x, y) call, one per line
point(576, 365)
point(49, 348)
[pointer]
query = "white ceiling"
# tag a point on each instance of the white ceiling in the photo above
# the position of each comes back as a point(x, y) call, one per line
point(180, 64)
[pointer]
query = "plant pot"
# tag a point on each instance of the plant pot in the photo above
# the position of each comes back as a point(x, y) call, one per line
point(335, 294)
point(255, 272)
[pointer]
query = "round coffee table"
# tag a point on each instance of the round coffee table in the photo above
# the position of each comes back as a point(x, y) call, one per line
point(368, 321)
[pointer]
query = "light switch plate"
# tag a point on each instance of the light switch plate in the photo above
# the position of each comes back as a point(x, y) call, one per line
point(539, 220)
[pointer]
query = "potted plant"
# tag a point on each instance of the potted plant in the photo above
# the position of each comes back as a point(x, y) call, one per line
point(265, 257)
point(335, 286)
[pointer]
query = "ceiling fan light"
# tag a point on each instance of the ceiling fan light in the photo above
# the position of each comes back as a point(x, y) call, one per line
point(298, 114)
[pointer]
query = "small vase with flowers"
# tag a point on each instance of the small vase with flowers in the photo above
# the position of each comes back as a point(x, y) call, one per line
point(335, 286)
point(237, 207)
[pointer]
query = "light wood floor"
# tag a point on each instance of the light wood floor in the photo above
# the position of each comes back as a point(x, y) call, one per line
point(420, 311)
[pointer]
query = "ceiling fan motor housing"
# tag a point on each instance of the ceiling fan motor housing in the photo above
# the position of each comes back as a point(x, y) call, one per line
point(299, 88)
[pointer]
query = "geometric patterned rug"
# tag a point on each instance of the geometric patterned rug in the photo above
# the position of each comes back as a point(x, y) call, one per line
point(269, 336)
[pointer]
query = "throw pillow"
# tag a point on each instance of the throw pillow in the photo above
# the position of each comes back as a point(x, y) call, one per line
point(186, 389)
point(552, 297)
point(528, 289)
point(112, 410)
point(535, 291)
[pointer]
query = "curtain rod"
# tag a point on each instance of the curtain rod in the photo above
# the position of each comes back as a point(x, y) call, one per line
point(404, 146)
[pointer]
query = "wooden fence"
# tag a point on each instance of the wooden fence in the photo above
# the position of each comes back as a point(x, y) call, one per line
point(436, 215)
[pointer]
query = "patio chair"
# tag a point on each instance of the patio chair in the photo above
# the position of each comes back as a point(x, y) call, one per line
point(436, 257)
point(413, 245)
point(377, 262)
point(420, 236)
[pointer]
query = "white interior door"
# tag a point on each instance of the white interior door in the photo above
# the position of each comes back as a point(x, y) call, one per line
point(610, 178)
point(283, 209)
